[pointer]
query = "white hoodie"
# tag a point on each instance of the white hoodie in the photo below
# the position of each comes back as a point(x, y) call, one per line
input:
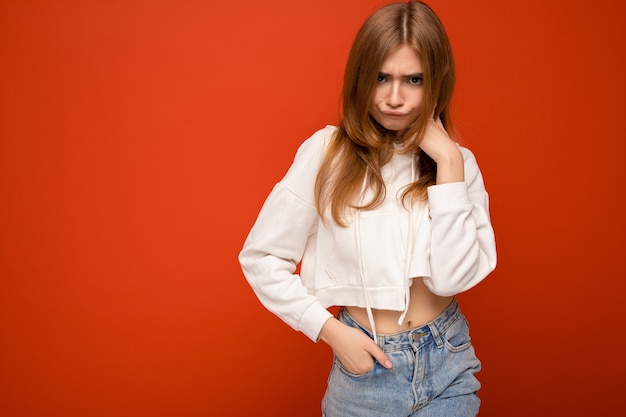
point(370, 263)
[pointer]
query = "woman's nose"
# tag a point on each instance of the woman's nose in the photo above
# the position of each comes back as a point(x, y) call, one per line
point(395, 99)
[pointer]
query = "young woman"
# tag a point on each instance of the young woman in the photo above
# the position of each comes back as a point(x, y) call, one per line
point(388, 218)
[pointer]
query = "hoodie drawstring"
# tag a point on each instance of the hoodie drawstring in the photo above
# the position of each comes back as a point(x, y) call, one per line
point(366, 295)
point(407, 266)
point(409, 254)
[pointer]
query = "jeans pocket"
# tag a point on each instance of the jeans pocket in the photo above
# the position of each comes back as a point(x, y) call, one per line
point(344, 371)
point(456, 338)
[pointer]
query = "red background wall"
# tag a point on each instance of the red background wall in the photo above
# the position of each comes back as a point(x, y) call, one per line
point(138, 140)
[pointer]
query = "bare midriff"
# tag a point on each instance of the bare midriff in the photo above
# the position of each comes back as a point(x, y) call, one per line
point(424, 307)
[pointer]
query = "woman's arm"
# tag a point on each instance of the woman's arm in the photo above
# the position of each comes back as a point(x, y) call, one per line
point(462, 250)
point(277, 241)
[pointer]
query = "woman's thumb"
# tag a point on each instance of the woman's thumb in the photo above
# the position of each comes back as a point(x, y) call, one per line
point(381, 357)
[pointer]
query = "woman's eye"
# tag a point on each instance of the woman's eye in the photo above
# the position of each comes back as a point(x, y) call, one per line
point(381, 79)
point(416, 80)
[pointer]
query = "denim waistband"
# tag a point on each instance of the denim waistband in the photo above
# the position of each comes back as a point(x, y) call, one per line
point(409, 338)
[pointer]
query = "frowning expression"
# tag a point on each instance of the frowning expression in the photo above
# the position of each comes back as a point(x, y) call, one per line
point(398, 96)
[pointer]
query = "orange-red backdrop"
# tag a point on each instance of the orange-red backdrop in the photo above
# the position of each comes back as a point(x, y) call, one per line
point(138, 140)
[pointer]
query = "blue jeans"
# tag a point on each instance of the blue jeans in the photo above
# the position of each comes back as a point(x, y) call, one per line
point(432, 375)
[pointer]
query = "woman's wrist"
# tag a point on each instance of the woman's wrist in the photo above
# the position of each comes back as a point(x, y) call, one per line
point(329, 329)
point(450, 168)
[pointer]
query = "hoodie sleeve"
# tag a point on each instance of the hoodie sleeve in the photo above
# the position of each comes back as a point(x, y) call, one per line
point(276, 243)
point(462, 248)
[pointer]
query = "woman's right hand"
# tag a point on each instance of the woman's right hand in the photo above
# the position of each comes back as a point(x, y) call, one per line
point(354, 349)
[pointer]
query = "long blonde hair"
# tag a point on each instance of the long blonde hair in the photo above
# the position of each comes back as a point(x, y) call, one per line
point(360, 146)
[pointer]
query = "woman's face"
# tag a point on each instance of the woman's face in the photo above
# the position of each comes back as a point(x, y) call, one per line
point(398, 95)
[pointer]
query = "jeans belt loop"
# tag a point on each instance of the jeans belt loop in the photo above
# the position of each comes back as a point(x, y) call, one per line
point(436, 336)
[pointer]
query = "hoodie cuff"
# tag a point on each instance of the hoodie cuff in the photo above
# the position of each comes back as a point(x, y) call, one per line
point(313, 320)
point(445, 197)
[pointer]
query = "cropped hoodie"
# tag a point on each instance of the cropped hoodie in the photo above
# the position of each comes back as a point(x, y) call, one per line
point(448, 241)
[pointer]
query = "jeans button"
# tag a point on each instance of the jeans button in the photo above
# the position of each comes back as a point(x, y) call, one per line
point(418, 336)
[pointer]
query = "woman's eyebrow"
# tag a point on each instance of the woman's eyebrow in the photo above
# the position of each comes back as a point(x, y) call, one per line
point(417, 74)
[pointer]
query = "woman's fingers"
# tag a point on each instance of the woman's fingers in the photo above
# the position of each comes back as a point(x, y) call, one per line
point(380, 356)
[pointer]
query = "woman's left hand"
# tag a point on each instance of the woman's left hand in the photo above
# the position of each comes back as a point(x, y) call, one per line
point(444, 151)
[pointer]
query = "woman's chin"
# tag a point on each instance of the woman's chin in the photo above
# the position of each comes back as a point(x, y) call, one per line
point(395, 126)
